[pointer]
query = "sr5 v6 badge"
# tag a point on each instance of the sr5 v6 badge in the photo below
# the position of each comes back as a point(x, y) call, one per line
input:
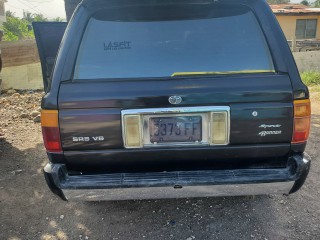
point(88, 139)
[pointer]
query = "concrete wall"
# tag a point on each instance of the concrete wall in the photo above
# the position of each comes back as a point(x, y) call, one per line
point(288, 24)
point(307, 61)
point(28, 76)
point(21, 65)
point(19, 53)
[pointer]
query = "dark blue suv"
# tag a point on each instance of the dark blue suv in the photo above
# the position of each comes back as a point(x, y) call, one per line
point(172, 98)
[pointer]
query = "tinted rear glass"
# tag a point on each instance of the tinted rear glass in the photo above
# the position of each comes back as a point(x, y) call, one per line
point(170, 42)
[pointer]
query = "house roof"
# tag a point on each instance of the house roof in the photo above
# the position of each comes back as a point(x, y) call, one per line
point(294, 9)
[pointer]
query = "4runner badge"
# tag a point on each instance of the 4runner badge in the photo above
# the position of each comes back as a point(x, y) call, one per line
point(175, 100)
point(265, 133)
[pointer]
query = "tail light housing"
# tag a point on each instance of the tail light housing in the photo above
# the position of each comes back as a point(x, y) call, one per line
point(50, 130)
point(132, 131)
point(302, 119)
point(219, 128)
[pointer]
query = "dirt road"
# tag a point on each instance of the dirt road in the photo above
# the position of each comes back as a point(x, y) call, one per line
point(28, 210)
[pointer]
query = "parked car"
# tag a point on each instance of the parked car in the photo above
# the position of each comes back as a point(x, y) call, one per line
point(171, 99)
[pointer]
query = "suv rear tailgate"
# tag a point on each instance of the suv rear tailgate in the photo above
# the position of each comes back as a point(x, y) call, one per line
point(261, 109)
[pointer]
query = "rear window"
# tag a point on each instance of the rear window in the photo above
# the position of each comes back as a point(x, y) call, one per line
point(169, 42)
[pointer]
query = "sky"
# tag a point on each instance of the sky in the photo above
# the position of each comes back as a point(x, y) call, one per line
point(49, 8)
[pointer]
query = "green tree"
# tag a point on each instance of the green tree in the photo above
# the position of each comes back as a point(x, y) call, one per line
point(34, 17)
point(28, 16)
point(305, 2)
point(10, 14)
point(39, 18)
point(16, 29)
point(316, 3)
point(58, 19)
point(278, 1)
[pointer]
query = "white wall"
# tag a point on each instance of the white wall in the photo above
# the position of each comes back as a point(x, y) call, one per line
point(307, 61)
point(27, 76)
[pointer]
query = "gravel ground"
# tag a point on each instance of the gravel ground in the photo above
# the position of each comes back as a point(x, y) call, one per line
point(28, 210)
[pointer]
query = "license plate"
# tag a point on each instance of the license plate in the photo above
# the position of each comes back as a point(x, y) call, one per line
point(175, 129)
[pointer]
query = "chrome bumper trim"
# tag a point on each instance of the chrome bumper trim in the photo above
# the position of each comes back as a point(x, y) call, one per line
point(184, 192)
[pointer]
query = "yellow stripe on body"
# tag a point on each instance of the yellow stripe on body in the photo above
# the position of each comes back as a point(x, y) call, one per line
point(220, 73)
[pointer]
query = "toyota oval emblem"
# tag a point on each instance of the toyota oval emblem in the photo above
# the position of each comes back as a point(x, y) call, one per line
point(175, 99)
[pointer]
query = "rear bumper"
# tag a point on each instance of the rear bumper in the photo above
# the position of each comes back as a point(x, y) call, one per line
point(179, 184)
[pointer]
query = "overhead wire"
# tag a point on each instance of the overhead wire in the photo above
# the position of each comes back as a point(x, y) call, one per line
point(30, 6)
point(14, 6)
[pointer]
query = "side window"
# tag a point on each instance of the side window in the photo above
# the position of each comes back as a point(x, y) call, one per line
point(306, 28)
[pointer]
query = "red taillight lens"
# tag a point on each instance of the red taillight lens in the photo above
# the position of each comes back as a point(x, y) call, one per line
point(302, 115)
point(50, 130)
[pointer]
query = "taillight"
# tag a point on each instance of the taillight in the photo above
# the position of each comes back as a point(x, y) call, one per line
point(50, 130)
point(302, 116)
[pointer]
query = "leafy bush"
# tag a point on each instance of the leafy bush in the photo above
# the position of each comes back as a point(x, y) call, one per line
point(21, 28)
point(16, 29)
point(311, 78)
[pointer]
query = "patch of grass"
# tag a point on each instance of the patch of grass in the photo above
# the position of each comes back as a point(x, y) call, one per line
point(315, 88)
point(310, 78)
